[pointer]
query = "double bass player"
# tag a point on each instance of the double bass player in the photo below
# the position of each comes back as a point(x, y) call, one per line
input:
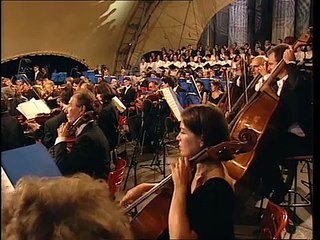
point(291, 126)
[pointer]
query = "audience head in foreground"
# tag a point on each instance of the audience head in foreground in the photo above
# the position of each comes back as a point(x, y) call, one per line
point(76, 207)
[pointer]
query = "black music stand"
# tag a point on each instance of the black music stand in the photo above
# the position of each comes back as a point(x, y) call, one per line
point(32, 160)
point(161, 147)
point(146, 107)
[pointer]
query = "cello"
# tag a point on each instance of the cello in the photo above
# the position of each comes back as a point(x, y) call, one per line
point(256, 115)
point(152, 221)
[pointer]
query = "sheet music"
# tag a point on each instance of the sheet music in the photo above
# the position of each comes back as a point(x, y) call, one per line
point(173, 102)
point(6, 185)
point(32, 108)
point(120, 106)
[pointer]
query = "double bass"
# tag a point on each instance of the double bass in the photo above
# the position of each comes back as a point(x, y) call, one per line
point(256, 116)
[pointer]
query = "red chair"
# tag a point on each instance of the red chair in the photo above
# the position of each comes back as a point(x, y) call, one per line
point(115, 178)
point(274, 220)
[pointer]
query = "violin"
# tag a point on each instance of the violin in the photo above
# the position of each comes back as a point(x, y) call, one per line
point(152, 221)
point(86, 117)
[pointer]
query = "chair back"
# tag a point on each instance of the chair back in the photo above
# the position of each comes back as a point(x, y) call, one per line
point(274, 220)
point(115, 178)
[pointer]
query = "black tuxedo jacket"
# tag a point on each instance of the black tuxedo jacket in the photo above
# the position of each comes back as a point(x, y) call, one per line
point(90, 153)
point(50, 129)
point(129, 96)
point(108, 122)
point(296, 101)
point(11, 132)
point(38, 77)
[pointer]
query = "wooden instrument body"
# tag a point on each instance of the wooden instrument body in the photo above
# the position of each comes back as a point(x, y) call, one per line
point(152, 221)
point(256, 117)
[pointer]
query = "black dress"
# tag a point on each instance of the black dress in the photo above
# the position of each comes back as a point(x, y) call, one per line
point(210, 210)
point(215, 100)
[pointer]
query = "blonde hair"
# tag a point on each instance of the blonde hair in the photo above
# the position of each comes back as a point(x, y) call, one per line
point(77, 207)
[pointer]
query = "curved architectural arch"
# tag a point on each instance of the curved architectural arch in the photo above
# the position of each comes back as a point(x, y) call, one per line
point(91, 30)
point(41, 53)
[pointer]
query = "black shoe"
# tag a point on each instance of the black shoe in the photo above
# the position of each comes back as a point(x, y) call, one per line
point(290, 228)
point(279, 194)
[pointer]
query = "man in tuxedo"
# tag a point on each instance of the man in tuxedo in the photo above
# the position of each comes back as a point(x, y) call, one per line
point(128, 93)
point(37, 74)
point(90, 152)
point(11, 130)
point(290, 128)
point(51, 125)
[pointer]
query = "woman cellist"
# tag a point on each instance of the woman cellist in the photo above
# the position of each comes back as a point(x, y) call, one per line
point(202, 201)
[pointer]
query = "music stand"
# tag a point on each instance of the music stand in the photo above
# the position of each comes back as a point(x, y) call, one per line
point(146, 107)
point(32, 160)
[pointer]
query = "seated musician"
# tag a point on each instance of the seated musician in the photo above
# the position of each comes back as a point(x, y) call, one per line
point(108, 116)
point(50, 94)
point(11, 130)
point(173, 83)
point(76, 207)
point(202, 91)
point(90, 153)
point(128, 93)
point(259, 67)
point(215, 94)
point(291, 125)
point(48, 134)
point(202, 201)
point(52, 124)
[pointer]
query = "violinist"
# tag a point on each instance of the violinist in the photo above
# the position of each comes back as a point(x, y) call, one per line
point(49, 134)
point(50, 94)
point(90, 153)
point(202, 201)
point(291, 123)
point(108, 116)
point(52, 124)
point(128, 93)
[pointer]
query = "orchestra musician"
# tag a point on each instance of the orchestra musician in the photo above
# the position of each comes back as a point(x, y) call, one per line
point(90, 153)
point(108, 116)
point(37, 74)
point(202, 200)
point(50, 94)
point(291, 126)
point(215, 94)
point(128, 93)
point(11, 130)
point(48, 135)
point(52, 124)
point(259, 66)
point(203, 93)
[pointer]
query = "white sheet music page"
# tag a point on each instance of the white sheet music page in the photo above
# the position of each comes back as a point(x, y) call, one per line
point(120, 106)
point(173, 102)
point(31, 108)
point(6, 185)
